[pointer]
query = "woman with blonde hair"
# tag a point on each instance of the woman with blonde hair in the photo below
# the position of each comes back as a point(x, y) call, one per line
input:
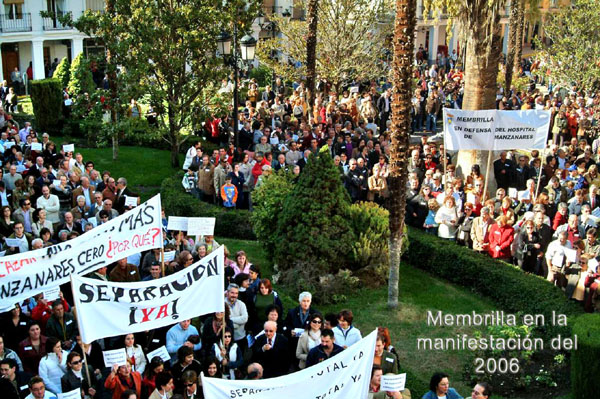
point(592, 176)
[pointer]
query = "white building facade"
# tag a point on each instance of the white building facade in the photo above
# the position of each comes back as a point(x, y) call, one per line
point(29, 38)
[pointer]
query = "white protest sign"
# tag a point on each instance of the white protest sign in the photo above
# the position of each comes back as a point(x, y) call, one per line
point(106, 309)
point(524, 195)
point(27, 274)
point(74, 394)
point(495, 129)
point(345, 375)
point(56, 183)
point(178, 223)
point(201, 226)
point(571, 255)
point(131, 201)
point(52, 294)
point(593, 265)
point(20, 168)
point(12, 242)
point(170, 255)
point(512, 192)
point(116, 356)
point(36, 147)
point(160, 352)
point(393, 382)
point(9, 144)
point(68, 147)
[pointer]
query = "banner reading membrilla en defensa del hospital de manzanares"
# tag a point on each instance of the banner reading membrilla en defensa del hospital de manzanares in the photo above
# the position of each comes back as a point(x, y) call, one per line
point(30, 273)
point(495, 129)
point(107, 309)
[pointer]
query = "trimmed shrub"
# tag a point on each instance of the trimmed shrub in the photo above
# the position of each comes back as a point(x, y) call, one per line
point(508, 286)
point(46, 99)
point(81, 80)
point(176, 202)
point(263, 75)
point(267, 202)
point(63, 72)
point(314, 222)
point(585, 366)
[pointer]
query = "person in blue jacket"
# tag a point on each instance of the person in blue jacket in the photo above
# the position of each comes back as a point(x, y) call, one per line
point(439, 388)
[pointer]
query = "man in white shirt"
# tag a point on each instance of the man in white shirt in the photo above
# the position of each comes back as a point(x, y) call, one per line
point(238, 314)
point(50, 203)
point(556, 255)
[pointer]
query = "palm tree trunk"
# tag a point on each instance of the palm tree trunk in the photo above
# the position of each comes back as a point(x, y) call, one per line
point(311, 49)
point(480, 93)
point(512, 39)
point(519, 39)
point(404, 44)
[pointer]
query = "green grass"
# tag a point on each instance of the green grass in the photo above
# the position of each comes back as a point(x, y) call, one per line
point(419, 292)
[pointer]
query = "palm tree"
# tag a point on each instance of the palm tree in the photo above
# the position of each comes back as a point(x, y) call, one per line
point(311, 49)
point(513, 34)
point(404, 44)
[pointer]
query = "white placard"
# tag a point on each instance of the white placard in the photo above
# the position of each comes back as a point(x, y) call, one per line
point(592, 265)
point(52, 294)
point(36, 147)
point(56, 183)
point(298, 331)
point(131, 201)
point(9, 144)
point(178, 223)
point(116, 356)
point(201, 226)
point(524, 195)
point(74, 394)
point(68, 148)
point(12, 242)
point(106, 309)
point(512, 192)
point(170, 255)
point(393, 382)
point(160, 352)
point(571, 255)
point(21, 168)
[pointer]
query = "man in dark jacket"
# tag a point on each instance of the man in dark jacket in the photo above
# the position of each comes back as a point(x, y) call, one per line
point(271, 351)
point(327, 349)
point(13, 383)
point(61, 325)
point(504, 171)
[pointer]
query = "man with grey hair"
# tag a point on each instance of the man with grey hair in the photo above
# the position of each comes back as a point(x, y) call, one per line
point(297, 320)
point(86, 190)
point(238, 314)
point(255, 371)
point(480, 230)
point(37, 243)
point(271, 351)
point(10, 178)
point(122, 193)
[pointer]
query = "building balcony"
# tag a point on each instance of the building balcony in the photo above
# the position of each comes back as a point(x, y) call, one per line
point(15, 23)
point(53, 22)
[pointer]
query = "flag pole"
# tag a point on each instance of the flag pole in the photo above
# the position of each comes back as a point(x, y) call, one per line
point(487, 174)
point(85, 361)
point(537, 188)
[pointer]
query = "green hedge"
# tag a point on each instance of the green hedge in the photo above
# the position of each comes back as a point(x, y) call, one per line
point(46, 98)
point(585, 364)
point(176, 202)
point(506, 285)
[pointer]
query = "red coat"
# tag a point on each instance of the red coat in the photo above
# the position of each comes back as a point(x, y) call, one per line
point(113, 383)
point(502, 237)
point(257, 169)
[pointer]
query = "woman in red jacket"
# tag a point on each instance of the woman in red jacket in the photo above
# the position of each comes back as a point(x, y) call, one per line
point(501, 236)
point(121, 379)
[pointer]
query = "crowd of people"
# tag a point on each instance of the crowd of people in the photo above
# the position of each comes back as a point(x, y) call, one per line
point(542, 218)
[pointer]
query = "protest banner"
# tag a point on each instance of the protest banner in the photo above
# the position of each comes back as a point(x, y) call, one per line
point(27, 274)
point(116, 356)
point(393, 382)
point(495, 130)
point(106, 309)
point(346, 375)
point(201, 226)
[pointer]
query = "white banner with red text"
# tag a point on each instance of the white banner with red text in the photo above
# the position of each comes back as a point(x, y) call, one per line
point(107, 309)
point(27, 274)
point(495, 129)
point(346, 375)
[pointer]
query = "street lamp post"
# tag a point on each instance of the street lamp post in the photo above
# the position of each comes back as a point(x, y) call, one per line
point(232, 58)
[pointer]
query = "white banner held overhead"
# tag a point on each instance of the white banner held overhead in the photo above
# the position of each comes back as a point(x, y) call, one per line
point(201, 226)
point(346, 375)
point(495, 129)
point(106, 309)
point(27, 274)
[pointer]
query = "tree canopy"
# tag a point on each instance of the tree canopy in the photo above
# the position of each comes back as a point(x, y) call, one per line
point(573, 53)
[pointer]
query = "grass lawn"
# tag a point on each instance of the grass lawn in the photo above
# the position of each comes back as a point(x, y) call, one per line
point(419, 292)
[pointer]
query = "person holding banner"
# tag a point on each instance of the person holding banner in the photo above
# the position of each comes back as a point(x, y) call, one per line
point(75, 377)
point(229, 354)
point(375, 385)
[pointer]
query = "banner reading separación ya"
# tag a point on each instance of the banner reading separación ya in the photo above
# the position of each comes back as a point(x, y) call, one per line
point(107, 309)
point(346, 375)
point(495, 130)
point(27, 274)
